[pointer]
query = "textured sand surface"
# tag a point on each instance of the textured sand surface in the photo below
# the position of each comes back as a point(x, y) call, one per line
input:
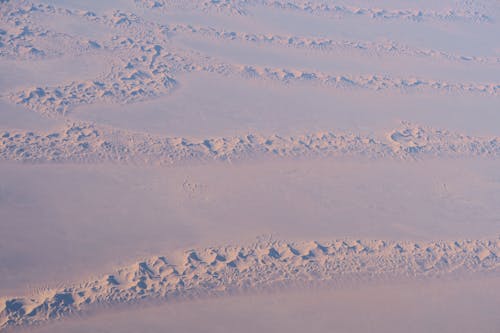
point(445, 306)
point(215, 271)
point(147, 145)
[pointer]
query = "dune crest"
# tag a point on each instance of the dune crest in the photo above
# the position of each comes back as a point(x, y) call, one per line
point(264, 264)
point(84, 142)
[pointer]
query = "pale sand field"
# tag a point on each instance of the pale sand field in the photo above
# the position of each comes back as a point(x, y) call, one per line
point(253, 165)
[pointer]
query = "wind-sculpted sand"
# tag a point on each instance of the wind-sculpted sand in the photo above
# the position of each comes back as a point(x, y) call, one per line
point(326, 45)
point(135, 85)
point(145, 59)
point(135, 127)
point(320, 8)
point(230, 269)
point(89, 143)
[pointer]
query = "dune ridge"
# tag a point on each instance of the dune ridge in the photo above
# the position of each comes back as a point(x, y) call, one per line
point(322, 8)
point(85, 142)
point(327, 45)
point(266, 263)
point(23, 37)
point(145, 62)
point(136, 82)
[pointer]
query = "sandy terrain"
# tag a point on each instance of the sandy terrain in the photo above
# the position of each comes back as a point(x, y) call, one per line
point(249, 165)
point(445, 306)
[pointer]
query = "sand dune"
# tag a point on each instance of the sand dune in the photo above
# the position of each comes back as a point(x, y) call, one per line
point(91, 143)
point(327, 45)
point(146, 62)
point(226, 119)
point(265, 264)
point(321, 8)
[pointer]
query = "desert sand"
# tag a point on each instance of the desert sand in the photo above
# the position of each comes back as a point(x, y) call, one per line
point(249, 165)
